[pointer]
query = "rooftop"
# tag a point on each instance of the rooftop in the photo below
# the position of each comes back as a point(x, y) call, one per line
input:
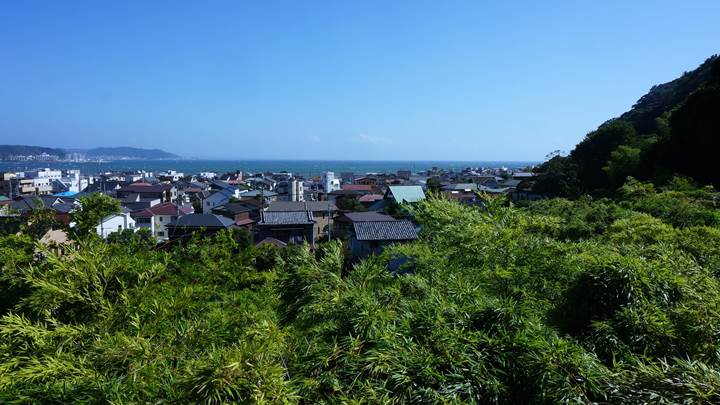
point(201, 221)
point(286, 218)
point(384, 230)
point(406, 194)
point(289, 206)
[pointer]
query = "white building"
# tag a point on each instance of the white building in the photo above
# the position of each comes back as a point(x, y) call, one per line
point(115, 223)
point(297, 191)
point(329, 182)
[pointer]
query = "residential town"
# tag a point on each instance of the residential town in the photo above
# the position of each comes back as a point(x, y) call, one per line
point(364, 209)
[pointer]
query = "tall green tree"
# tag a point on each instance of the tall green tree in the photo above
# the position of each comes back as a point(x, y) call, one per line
point(93, 209)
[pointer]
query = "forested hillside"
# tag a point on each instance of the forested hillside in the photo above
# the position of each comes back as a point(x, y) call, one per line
point(671, 130)
point(611, 300)
point(7, 151)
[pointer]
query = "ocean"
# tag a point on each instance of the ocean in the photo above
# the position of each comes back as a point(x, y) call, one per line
point(307, 168)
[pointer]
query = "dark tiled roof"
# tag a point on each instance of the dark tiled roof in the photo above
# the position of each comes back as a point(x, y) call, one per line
point(289, 206)
point(235, 208)
point(368, 217)
point(146, 188)
point(460, 187)
point(385, 230)
point(286, 218)
point(257, 193)
point(201, 221)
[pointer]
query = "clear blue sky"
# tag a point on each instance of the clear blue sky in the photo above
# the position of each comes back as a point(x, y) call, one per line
point(448, 80)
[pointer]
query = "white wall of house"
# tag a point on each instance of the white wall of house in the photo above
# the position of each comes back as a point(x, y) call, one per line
point(159, 222)
point(115, 223)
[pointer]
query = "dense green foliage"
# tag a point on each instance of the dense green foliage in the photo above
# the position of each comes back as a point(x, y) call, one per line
point(562, 301)
point(93, 209)
point(669, 131)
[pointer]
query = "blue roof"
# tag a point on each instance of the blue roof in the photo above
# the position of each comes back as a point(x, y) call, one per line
point(66, 194)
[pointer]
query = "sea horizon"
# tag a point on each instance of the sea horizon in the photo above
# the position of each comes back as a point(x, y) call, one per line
point(303, 167)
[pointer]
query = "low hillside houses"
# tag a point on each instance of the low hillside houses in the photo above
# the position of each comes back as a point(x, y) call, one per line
point(268, 196)
point(157, 217)
point(243, 213)
point(218, 198)
point(205, 224)
point(63, 207)
point(115, 223)
point(371, 237)
point(322, 212)
point(164, 192)
point(287, 226)
point(344, 223)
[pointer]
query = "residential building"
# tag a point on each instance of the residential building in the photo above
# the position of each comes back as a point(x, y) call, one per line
point(404, 194)
point(329, 182)
point(205, 224)
point(322, 212)
point(371, 237)
point(287, 226)
point(165, 192)
point(157, 217)
point(115, 223)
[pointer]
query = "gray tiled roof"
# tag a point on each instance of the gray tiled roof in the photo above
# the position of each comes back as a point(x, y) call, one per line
point(201, 221)
point(314, 206)
point(385, 230)
point(460, 186)
point(286, 218)
point(368, 217)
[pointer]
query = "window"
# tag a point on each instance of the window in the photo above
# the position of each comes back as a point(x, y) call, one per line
point(160, 233)
point(160, 219)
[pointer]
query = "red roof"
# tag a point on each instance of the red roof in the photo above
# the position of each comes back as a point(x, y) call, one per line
point(370, 197)
point(357, 187)
point(243, 222)
point(164, 209)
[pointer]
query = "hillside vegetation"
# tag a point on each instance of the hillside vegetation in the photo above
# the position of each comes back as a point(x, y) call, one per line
point(671, 130)
point(612, 300)
point(14, 150)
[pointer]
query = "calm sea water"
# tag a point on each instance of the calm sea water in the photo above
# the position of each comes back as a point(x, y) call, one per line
point(299, 167)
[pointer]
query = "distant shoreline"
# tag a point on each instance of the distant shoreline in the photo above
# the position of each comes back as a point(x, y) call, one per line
point(300, 167)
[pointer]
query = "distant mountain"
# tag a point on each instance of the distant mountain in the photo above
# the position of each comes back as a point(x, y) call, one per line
point(672, 130)
point(128, 152)
point(6, 151)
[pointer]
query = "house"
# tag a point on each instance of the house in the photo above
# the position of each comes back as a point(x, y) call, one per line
point(404, 194)
point(343, 225)
point(243, 213)
point(463, 192)
point(157, 217)
point(287, 226)
point(269, 196)
point(369, 199)
point(115, 223)
point(206, 224)
point(459, 188)
point(218, 198)
point(164, 192)
point(371, 237)
point(62, 206)
point(135, 202)
point(322, 211)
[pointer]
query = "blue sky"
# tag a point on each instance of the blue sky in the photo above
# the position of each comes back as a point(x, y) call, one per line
point(453, 80)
